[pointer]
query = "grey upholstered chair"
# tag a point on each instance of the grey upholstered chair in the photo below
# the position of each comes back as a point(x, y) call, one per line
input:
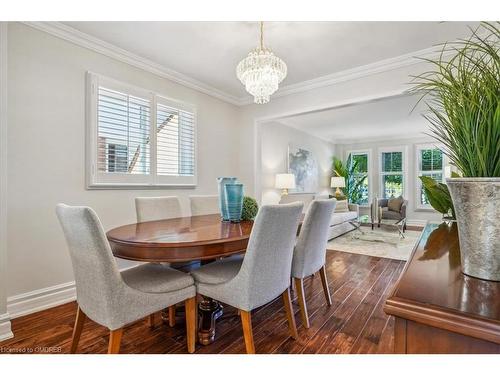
point(157, 208)
point(310, 251)
point(204, 204)
point(386, 213)
point(113, 298)
point(264, 272)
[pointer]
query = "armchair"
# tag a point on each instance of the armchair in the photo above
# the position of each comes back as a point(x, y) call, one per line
point(383, 212)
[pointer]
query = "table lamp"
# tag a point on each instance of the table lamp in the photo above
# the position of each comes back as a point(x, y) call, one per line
point(285, 181)
point(337, 182)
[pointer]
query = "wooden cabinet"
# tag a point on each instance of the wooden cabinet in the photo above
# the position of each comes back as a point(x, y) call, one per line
point(437, 308)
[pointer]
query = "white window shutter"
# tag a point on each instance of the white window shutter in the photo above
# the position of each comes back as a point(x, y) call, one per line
point(138, 138)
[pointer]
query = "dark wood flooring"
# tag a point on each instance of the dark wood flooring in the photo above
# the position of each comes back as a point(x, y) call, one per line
point(355, 323)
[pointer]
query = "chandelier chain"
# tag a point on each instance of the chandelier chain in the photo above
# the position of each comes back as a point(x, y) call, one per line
point(261, 35)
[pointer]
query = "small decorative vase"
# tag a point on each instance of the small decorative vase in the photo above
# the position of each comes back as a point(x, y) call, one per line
point(476, 202)
point(234, 200)
point(222, 181)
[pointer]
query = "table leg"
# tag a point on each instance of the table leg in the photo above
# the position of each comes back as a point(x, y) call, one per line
point(209, 311)
point(357, 226)
point(401, 227)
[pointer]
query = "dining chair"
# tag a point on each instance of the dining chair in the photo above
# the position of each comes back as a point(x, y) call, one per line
point(113, 298)
point(204, 205)
point(158, 208)
point(264, 272)
point(310, 251)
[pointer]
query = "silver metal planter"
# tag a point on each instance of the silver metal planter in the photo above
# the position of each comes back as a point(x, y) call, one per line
point(477, 208)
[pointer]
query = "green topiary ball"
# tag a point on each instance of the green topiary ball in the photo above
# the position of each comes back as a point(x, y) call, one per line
point(250, 208)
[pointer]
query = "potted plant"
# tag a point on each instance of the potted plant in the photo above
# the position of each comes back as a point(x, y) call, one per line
point(353, 187)
point(439, 197)
point(463, 93)
point(250, 208)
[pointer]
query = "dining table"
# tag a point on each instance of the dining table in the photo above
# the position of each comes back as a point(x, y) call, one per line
point(203, 238)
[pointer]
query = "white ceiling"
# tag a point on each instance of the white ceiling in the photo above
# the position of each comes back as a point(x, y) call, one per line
point(395, 117)
point(209, 51)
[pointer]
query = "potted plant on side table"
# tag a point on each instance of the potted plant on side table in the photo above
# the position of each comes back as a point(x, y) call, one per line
point(463, 93)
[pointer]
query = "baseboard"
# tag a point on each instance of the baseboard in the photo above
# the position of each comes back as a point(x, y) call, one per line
point(5, 330)
point(42, 299)
point(416, 223)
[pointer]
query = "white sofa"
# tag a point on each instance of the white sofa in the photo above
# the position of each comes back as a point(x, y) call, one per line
point(340, 220)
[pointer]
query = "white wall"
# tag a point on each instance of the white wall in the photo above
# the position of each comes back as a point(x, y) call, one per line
point(46, 143)
point(275, 138)
point(415, 215)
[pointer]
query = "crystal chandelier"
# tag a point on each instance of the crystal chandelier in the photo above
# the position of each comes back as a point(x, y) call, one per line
point(261, 71)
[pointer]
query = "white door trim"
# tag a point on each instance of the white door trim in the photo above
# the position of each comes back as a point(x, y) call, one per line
point(5, 330)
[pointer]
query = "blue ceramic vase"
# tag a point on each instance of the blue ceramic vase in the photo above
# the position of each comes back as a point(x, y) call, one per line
point(222, 181)
point(234, 200)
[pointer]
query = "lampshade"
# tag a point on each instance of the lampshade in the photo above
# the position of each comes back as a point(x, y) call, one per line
point(337, 182)
point(285, 181)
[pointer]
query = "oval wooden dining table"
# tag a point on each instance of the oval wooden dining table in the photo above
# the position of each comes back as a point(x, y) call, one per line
point(194, 238)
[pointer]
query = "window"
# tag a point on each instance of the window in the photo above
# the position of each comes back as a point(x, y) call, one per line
point(359, 161)
point(138, 138)
point(392, 174)
point(116, 155)
point(429, 163)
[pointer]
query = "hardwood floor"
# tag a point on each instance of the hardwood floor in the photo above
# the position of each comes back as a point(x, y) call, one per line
point(355, 323)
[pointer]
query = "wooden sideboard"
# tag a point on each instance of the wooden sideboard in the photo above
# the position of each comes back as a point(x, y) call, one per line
point(437, 308)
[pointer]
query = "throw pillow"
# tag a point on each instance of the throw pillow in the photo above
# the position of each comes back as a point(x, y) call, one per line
point(342, 206)
point(394, 204)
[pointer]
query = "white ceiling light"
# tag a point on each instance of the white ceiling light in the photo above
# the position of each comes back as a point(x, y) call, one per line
point(261, 71)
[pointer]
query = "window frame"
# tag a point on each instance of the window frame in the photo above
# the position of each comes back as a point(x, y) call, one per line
point(418, 172)
point(404, 172)
point(369, 177)
point(96, 180)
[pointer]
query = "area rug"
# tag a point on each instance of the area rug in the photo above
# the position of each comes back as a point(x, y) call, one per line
point(381, 242)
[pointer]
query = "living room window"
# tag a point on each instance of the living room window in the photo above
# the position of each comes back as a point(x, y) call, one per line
point(392, 173)
point(138, 138)
point(359, 160)
point(430, 162)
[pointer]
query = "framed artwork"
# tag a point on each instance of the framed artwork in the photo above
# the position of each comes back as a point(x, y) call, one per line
point(303, 164)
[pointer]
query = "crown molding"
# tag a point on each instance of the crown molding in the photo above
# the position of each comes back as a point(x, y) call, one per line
point(97, 45)
point(77, 37)
point(381, 66)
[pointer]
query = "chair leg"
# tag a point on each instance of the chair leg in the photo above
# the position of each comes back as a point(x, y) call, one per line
point(190, 305)
point(324, 281)
point(77, 329)
point(289, 313)
point(115, 337)
point(299, 286)
point(171, 316)
point(246, 322)
point(152, 320)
